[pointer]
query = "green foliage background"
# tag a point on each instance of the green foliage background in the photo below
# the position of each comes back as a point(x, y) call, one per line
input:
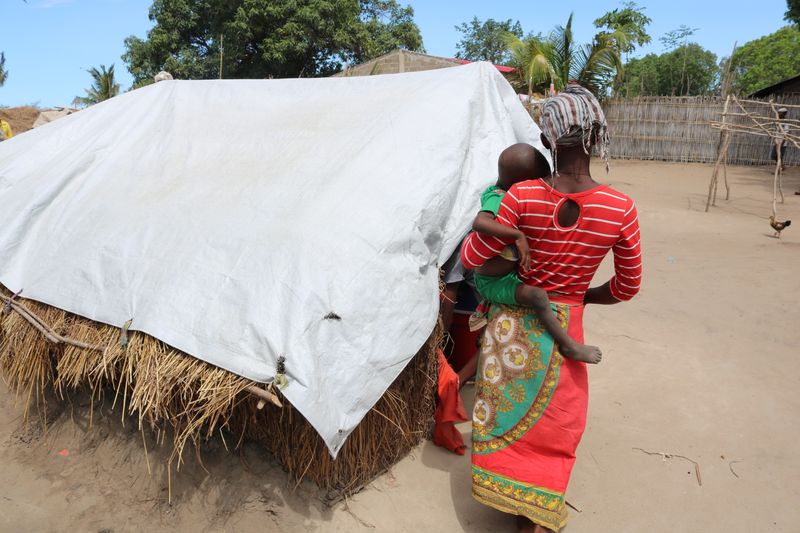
point(766, 61)
point(267, 38)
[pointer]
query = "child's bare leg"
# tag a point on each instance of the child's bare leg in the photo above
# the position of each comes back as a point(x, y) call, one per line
point(537, 299)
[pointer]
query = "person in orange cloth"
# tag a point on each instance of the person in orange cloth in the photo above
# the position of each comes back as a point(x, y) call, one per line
point(450, 410)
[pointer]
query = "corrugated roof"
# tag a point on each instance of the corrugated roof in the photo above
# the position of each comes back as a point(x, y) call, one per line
point(766, 91)
point(502, 68)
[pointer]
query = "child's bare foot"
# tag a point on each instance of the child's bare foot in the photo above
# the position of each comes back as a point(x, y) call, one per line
point(582, 352)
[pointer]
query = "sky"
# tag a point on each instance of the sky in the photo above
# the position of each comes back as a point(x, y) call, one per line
point(49, 44)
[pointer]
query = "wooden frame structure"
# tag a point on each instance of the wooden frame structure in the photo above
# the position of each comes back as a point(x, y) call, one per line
point(761, 120)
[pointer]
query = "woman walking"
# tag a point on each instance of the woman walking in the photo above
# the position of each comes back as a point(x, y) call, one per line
point(530, 405)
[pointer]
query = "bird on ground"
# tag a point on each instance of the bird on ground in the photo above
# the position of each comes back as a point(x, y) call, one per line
point(779, 226)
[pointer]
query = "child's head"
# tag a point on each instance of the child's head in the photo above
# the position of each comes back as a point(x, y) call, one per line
point(520, 162)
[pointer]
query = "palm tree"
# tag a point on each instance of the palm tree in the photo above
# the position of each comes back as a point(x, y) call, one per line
point(557, 59)
point(3, 71)
point(532, 58)
point(103, 87)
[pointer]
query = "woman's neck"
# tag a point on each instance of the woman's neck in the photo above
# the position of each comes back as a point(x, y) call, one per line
point(573, 170)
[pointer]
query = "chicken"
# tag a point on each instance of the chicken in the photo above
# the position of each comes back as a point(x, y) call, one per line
point(778, 226)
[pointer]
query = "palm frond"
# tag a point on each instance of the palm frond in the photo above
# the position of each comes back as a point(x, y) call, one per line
point(558, 59)
point(103, 86)
point(595, 66)
point(563, 44)
point(532, 59)
point(3, 71)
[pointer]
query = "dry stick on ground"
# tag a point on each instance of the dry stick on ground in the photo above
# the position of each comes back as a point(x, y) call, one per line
point(572, 506)
point(664, 456)
point(52, 336)
point(358, 519)
point(730, 467)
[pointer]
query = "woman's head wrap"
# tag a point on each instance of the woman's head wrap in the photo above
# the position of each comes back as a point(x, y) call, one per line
point(573, 118)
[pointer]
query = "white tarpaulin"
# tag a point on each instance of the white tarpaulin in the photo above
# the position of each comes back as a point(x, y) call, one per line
point(227, 218)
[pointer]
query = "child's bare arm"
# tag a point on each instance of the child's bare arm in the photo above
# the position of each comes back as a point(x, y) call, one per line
point(486, 224)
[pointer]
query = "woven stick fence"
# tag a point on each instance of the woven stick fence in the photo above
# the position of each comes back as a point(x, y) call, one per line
point(680, 129)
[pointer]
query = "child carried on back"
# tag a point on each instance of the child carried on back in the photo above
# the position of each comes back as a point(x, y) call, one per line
point(497, 280)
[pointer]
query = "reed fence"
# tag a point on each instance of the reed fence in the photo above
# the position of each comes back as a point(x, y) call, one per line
point(679, 129)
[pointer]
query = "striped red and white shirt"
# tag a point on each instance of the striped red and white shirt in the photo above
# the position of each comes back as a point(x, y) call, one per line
point(564, 260)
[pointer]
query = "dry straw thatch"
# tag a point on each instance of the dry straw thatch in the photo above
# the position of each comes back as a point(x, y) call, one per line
point(680, 129)
point(20, 119)
point(176, 395)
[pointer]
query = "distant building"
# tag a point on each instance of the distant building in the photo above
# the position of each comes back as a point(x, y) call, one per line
point(792, 85)
point(400, 60)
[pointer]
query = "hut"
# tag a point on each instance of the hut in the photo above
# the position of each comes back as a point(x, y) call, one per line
point(21, 119)
point(401, 60)
point(268, 267)
point(55, 113)
point(782, 89)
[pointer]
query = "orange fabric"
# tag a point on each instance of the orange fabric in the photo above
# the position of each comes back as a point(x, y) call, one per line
point(449, 411)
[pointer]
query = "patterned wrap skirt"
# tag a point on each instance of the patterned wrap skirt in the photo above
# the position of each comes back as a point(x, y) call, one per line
point(529, 415)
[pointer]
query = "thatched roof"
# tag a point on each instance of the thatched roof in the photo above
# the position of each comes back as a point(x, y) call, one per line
point(20, 119)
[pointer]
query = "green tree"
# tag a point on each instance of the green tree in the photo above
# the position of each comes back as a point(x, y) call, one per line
point(657, 75)
point(3, 71)
point(630, 21)
point(103, 87)
point(558, 59)
point(678, 38)
point(267, 38)
point(766, 61)
point(642, 76)
point(793, 12)
point(486, 41)
point(699, 70)
point(384, 26)
point(627, 28)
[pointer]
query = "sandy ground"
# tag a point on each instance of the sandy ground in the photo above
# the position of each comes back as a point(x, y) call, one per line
point(701, 364)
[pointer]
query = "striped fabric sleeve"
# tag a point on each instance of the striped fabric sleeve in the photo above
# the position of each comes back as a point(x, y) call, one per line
point(478, 248)
point(627, 258)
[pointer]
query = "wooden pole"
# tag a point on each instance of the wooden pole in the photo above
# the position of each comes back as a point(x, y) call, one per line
point(722, 153)
point(725, 174)
point(727, 80)
point(712, 183)
point(779, 142)
point(221, 52)
point(776, 144)
point(775, 179)
point(714, 192)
